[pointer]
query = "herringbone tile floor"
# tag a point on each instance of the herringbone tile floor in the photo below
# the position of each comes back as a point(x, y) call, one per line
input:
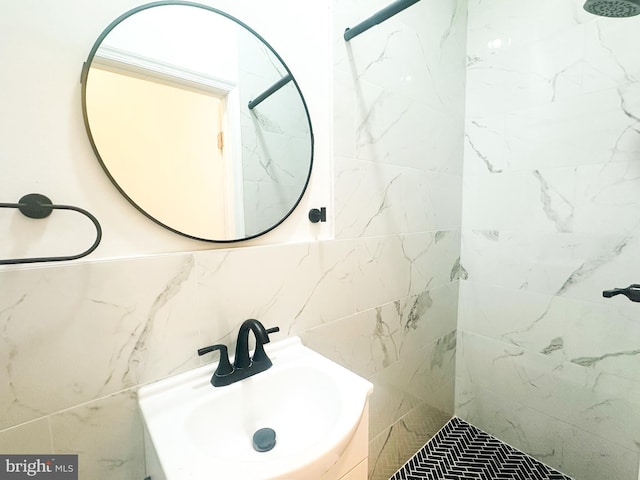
point(460, 451)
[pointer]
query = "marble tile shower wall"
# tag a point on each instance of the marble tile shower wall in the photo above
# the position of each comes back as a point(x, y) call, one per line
point(551, 218)
point(398, 143)
point(77, 340)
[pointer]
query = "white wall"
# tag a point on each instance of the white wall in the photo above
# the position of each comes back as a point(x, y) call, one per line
point(550, 220)
point(44, 147)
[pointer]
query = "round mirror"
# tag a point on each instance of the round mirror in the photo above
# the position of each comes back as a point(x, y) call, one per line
point(197, 121)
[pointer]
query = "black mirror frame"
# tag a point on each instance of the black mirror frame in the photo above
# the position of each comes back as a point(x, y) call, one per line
point(83, 80)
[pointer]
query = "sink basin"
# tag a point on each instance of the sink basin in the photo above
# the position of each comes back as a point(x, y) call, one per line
point(199, 431)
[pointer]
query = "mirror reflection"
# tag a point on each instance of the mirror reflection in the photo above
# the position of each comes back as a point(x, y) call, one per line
point(197, 121)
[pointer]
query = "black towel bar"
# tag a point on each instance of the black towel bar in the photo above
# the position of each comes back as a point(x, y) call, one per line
point(35, 205)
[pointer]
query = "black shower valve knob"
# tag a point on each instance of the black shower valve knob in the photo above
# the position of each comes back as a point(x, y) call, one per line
point(632, 292)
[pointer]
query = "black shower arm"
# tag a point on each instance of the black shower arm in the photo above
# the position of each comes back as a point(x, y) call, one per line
point(38, 206)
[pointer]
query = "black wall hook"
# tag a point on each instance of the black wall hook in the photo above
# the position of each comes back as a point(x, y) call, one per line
point(632, 292)
point(36, 205)
point(318, 215)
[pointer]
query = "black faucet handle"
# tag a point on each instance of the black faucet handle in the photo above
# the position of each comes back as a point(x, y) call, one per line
point(273, 330)
point(224, 366)
point(205, 350)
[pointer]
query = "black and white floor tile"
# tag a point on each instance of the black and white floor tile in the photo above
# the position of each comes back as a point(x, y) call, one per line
point(460, 451)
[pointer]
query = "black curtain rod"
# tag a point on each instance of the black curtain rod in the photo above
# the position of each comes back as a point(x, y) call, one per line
point(269, 91)
point(35, 205)
point(377, 18)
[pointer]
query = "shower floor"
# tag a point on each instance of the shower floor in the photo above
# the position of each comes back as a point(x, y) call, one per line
point(460, 451)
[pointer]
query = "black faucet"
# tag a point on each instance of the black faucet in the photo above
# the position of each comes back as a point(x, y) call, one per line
point(242, 359)
point(243, 365)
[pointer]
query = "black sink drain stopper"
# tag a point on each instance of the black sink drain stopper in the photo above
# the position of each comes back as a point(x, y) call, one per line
point(264, 439)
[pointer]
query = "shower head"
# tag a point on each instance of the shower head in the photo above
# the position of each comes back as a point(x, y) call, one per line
point(613, 8)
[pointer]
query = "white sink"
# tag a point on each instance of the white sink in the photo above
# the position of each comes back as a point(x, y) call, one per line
point(200, 431)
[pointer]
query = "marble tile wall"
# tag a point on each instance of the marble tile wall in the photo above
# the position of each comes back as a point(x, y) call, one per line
point(276, 146)
point(398, 145)
point(78, 339)
point(550, 220)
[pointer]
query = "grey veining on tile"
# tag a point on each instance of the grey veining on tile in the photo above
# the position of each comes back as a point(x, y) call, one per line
point(568, 265)
point(555, 344)
point(554, 387)
point(458, 272)
point(333, 269)
point(488, 163)
point(591, 265)
point(430, 256)
point(296, 288)
point(92, 301)
point(382, 336)
point(11, 398)
point(106, 435)
point(422, 375)
point(444, 347)
point(557, 208)
point(375, 339)
point(591, 361)
point(143, 335)
point(383, 204)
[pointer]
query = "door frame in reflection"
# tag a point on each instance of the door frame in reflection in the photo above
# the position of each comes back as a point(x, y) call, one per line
point(218, 97)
